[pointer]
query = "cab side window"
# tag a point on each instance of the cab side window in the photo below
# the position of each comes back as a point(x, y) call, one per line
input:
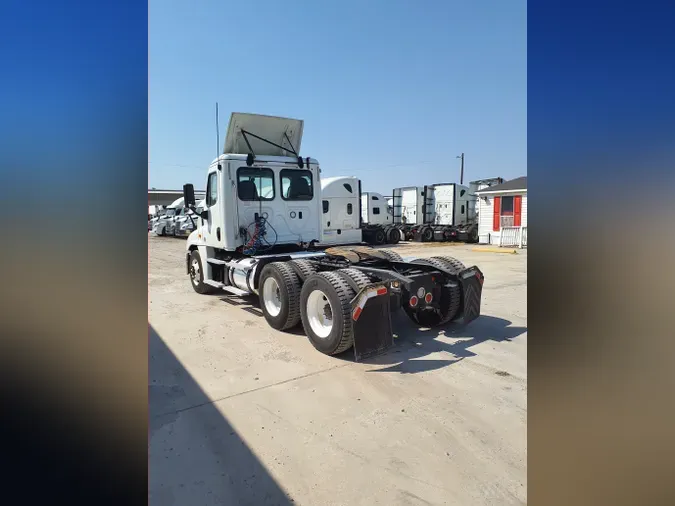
point(212, 189)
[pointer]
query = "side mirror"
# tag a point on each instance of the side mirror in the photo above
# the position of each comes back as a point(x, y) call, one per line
point(189, 195)
point(204, 215)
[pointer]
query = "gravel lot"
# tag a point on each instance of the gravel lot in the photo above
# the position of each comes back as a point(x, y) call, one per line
point(243, 414)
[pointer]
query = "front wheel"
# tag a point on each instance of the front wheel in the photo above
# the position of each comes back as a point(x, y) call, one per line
point(197, 274)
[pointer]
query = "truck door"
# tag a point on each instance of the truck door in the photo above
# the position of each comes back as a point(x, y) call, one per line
point(214, 234)
point(297, 214)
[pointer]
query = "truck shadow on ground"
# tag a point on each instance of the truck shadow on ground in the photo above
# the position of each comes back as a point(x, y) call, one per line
point(195, 455)
point(453, 342)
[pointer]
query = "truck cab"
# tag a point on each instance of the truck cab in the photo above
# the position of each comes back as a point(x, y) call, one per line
point(340, 210)
point(375, 210)
point(259, 196)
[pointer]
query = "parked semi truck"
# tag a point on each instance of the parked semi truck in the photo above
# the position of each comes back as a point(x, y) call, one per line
point(165, 224)
point(261, 222)
point(439, 212)
point(352, 217)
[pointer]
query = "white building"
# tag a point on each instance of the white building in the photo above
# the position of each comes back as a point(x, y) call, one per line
point(502, 213)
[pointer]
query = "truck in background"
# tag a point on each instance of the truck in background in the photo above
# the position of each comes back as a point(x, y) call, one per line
point(166, 223)
point(352, 217)
point(438, 212)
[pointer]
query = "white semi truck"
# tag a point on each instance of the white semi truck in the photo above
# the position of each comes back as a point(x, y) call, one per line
point(439, 212)
point(174, 215)
point(352, 217)
point(262, 218)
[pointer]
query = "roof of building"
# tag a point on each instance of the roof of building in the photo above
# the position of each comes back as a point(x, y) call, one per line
point(519, 183)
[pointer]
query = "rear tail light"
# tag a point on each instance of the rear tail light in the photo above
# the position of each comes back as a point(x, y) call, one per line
point(428, 298)
point(413, 301)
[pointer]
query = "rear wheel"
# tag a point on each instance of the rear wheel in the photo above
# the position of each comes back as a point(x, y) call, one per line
point(453, 262)
point(427, 234)
point(325, 308)
point(354, 277)
point(279, 294)
point(448, 304)
point(380, 237)
point(304, 268)
point(392, 256)
point(393, 235)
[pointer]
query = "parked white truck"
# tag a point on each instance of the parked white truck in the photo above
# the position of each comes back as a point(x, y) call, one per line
point(439, 212)
point(352, 217)
point(173, 215)
point(262, 218)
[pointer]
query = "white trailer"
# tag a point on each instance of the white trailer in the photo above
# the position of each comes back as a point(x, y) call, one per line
point(262, 218)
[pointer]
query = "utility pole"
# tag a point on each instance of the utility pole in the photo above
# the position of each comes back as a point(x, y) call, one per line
point(461, 171)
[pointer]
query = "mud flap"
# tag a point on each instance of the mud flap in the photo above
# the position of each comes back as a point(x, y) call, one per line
point(472, 289)
point(371, 314)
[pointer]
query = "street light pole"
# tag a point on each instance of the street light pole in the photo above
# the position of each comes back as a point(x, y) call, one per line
point(461, 172)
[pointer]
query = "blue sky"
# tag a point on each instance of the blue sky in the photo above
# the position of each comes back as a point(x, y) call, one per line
point(390, 91)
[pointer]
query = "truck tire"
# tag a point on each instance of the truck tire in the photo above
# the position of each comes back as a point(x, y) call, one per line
point(326, 312)
point(380, 237)
point(473, 235)
point(392, 256)
point(393, 235)
point(162, 232)
point(449, 303)
point(197, 274)
point(356, 278)
point(453, 262)
point(279, 294)
point(427, 234)
point(304, 268)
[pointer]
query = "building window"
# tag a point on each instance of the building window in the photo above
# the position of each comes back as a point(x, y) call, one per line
point(325, 206)
point(376, 210)
point(255, 184)
point(296, 184)
point(349, 209)
point(506, 212)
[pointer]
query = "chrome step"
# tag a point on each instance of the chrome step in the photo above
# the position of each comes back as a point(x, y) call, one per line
point(236, 291)
point(227, 288)
point(216, 261)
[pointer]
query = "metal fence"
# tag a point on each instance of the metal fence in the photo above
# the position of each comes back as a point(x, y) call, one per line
point(513, 237)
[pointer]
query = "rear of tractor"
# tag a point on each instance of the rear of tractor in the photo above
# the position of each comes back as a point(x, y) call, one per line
point(346, 298)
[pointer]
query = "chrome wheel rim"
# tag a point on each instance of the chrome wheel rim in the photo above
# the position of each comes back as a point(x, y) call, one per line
point(272, 296)
point(320, 314)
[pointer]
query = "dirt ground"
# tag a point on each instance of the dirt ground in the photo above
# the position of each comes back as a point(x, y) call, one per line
point(243, 414)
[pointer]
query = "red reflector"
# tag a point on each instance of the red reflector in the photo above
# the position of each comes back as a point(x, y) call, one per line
point(413, 301)
point(428, 298)
point(357, 313)
point(381, 291)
